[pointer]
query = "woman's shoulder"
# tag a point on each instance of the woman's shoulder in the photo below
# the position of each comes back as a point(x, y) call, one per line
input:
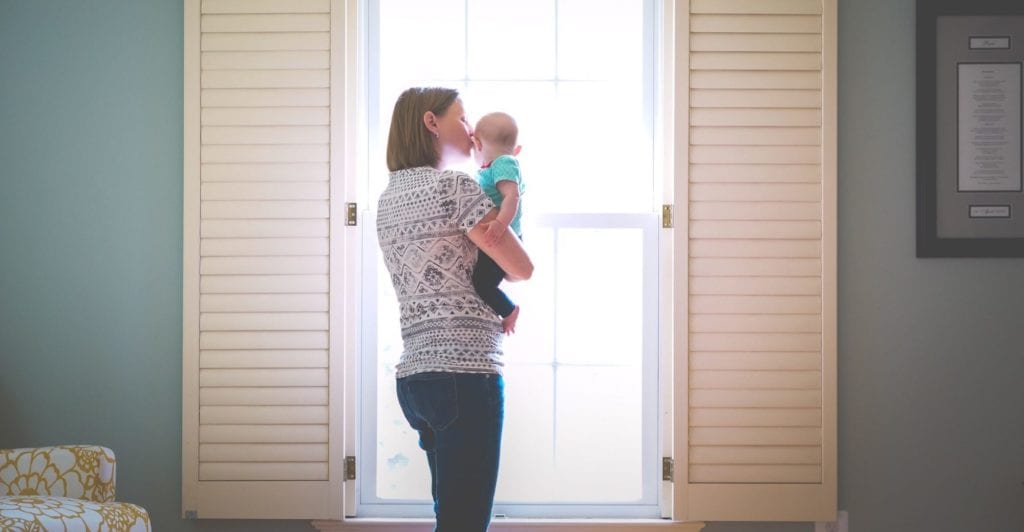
point(451, 182)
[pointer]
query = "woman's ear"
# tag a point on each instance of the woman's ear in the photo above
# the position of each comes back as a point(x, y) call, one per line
point(430, 120)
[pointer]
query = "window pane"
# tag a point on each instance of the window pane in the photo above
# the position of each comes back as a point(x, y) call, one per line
point(527, 448)
point(600, 312)
point(600, 39)
point(422, 40)
point(511, 40)
point(534, 340)
point(602, 159)
point(599, 435)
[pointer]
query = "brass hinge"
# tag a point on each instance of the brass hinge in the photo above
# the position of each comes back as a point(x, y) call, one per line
point(666, 216)
point(350, 468)
point(352, 216)
point(667, 469)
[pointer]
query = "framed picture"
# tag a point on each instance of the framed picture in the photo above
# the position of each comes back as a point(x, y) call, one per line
point(970, 126)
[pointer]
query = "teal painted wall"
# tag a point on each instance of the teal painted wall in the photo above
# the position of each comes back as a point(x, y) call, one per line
point(931, 368)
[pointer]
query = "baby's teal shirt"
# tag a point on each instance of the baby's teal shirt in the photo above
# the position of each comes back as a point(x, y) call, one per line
point(504, 168)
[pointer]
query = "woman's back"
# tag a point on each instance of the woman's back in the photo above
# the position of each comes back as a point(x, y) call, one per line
point(422, 219)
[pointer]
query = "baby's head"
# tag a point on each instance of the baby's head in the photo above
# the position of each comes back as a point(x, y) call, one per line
point(495, 134)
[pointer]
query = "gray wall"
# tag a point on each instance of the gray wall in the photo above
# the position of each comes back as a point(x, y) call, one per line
point(931, 372)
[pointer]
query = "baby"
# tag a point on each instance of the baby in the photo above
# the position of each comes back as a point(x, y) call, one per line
point(495, 140)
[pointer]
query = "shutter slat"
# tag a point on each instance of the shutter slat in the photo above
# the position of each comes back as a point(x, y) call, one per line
point(756, 286)
point(250, 23)
point(263, 433)
point(259, 377)
point(755, 267)
point(755, 474)
point(247, 247)
point(265, 358)
point(272, 135)
point(755, 23)
point(263, 471)
point(240, 42)
point(755, 117)
point(754, 323)
point(755, 436)
point(757, 99)
point(263, 396)
point(755, 361)
point(265, 116)
point(726, 79)
point(263, 302)
point(755, 61)
point(755, 380)
point(234, 210)
point(755, 417)
point(755, 398)
point(765, 229)
point(262, 265)
point(755, 342)
point(265, 79)
point(263, 340)
point(732, 210)
point(755, 155)
point(757, 7)
point(781, 305)
point(753, 192)
point(265, 191)
point(752, 173)
point(266, 6)
point(264, 321)
point(265, 154)
point(262, 284)
point(291, 60)
point(263, 228)
point(263, 452)
point(262, 415)
point(267, 172)
point(755, 136)
point(754, 248)
point(761, 455)
point(754, 42)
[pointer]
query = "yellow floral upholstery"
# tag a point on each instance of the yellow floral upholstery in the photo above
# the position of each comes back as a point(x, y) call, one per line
point(70, 487)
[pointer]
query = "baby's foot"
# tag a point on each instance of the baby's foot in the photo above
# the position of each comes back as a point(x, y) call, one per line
point(508, 324)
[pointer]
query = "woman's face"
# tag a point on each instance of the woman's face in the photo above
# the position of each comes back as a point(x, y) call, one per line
point(454, 132)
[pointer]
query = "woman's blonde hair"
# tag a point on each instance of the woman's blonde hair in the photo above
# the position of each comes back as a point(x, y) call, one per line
point(410, 143)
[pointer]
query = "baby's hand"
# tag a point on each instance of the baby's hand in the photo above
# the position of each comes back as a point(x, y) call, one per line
point(495, 230)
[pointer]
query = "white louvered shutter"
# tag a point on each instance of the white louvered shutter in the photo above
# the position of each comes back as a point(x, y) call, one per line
point(259, 411)
point(761, 260)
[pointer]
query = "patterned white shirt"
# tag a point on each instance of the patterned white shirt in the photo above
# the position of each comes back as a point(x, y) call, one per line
point(422, 219)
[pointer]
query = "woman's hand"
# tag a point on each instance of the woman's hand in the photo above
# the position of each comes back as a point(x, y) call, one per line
point(495, 230)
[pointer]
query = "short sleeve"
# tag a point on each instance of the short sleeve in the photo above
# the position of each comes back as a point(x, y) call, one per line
point(506, 168)
point(463, 199)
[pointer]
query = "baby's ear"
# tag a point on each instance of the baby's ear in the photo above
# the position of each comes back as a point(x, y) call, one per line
point(516, 150)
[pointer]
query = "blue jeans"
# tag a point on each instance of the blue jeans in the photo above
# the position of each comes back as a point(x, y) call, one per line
point(459, 417)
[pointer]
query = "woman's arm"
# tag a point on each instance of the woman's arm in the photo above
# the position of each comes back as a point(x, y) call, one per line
point(508, 251)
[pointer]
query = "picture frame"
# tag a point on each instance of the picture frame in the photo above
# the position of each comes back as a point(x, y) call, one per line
point(970, 55)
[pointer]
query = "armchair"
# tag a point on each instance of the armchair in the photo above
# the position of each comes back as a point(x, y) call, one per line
point(68, 487)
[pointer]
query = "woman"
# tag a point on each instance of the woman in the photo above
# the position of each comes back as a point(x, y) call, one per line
point(430, 223)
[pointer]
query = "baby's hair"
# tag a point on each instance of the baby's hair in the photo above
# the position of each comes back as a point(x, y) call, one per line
point(499, 128)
